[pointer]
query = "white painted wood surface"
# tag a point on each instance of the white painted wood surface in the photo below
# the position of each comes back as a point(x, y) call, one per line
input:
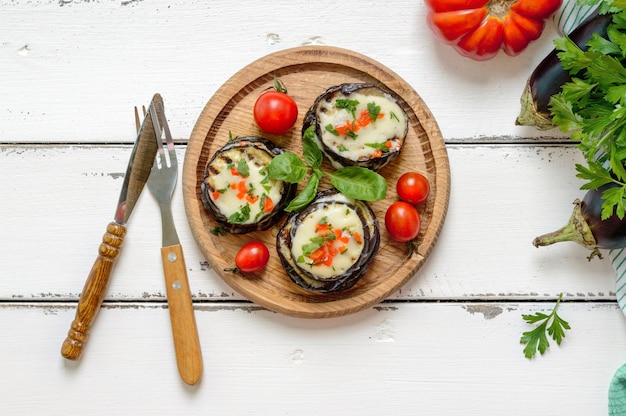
point(446, 343)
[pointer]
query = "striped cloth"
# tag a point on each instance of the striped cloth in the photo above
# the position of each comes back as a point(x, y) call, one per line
point(570, 15)
point(617, 393)
point(567, 18)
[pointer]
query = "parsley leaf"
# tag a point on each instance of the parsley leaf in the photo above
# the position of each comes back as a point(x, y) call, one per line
point(552, 325)
point(592, 106)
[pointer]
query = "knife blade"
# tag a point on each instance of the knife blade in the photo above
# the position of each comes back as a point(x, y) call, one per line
point(94, 290)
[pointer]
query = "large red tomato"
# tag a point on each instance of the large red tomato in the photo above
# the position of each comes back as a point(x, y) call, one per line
point(478, 29)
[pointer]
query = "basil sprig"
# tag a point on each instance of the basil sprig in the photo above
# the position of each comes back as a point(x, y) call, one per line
point(352, 181)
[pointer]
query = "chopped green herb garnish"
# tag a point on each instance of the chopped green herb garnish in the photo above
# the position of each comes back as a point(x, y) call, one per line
point(218, 231)
point(242, 216)
point(349, 105)
point(380, 146)
point(329, 128)
point(242, 167)
point(373, 110)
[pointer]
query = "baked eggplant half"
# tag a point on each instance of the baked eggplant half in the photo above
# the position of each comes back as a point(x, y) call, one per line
point(237, 189)
point(327, 246)
point(357, 125)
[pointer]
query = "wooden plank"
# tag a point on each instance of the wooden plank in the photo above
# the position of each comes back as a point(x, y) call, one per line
point(178, 48)
point(400, 359)
point(60, 198)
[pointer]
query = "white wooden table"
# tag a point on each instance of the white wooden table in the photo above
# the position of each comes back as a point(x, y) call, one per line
point(446, 343)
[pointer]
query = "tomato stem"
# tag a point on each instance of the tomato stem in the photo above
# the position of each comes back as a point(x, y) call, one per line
point(499, 8)
point(279, 85)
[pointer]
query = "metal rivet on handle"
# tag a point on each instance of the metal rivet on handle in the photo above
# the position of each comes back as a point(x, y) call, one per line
point(177, 285)
point(171, 257)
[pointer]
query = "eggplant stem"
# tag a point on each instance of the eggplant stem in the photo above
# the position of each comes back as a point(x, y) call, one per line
point(576, 230)
point(529, 114)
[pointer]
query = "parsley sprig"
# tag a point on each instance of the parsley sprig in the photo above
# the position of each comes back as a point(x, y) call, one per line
point(537, 339)
point(592, 107)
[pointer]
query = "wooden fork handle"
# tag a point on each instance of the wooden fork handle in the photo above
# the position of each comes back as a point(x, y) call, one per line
point(94, 290)
point(184, 330)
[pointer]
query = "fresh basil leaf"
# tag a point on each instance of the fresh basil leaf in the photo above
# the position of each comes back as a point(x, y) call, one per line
point(359, 183)
point(312, 154)
point(287, 167)
point(307, 194)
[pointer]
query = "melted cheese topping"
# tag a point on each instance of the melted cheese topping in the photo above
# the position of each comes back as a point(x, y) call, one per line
point(364, 140)
point(243, 199)
point(336, 216)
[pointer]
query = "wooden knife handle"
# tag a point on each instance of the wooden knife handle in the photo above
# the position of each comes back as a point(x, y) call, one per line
point(94, 290)
point(184, 330)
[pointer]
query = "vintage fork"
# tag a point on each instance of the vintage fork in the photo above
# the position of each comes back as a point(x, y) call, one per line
point(162, 181)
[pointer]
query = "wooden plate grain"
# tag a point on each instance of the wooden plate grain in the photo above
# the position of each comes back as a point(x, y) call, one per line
point(307, 72)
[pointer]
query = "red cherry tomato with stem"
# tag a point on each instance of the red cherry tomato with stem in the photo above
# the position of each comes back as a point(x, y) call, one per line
point(252, 257)
point(275, 112)
point(402, 222)
point(413, 187)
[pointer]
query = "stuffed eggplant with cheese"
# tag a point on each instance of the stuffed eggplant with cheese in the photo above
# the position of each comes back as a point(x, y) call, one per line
point(357, 125)
point(237, 189)
point(327, 246)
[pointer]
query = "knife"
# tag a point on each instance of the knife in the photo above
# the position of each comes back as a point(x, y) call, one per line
point(137, 172)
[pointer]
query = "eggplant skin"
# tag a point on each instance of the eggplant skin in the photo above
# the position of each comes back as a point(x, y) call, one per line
point(262, 148)
point(346, 91)
point(549, 76)
point(609, 233)
point(587, 228)
point(301, 274)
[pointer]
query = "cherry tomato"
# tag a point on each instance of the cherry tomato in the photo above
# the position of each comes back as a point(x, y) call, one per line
point(402, 221)
point(413, 187)
point(252, 257)
point(275, 112)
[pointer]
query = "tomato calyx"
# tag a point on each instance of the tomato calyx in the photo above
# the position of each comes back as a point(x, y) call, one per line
point(411, 247)
point(279, 85)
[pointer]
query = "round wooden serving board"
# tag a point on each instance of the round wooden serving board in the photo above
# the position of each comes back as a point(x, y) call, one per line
point(307, 72)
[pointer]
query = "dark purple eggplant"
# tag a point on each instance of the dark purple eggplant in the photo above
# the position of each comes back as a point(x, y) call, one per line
point(548, 77)
point(587, 228)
